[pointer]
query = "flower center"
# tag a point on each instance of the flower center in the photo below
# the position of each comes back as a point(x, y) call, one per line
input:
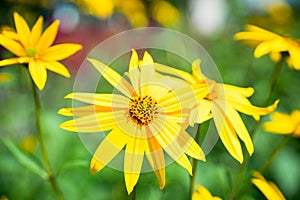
point(142, 110)
point(33, 53)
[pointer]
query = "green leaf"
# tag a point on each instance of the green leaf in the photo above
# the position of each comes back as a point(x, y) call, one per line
point(72, 164)
point(25, 159)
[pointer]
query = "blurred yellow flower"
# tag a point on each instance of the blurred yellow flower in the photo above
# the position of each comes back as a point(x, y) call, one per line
point(35, 48)
point(284, 124)
point(165, 13)
point(5, 77)
point(29, 144)
point(268, 42)
point(147, 117)
point(222, 104)
point(268, 188)
point(203, 194)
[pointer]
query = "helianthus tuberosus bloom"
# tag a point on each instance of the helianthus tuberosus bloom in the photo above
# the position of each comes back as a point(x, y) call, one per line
point(146, 116)
point(268, 42)
point(284, 124)
point(268, 188)
point(34, 48)
point(223, 103)
point(203, 194)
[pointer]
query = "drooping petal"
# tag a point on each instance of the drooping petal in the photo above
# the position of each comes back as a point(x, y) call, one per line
point(11, 61)
point(276, 45)
point(227, 133)
point(60, 51)
point(106, 100)
point(240, 128)
point(12, 46)
point(113, 77)
point(133, 160)
point(38, 73)
point(281, 123)
point(48, 36)
point(22, 29)
point(107, 150)
point(84, 110)
point(36, 32)
point(57, 67)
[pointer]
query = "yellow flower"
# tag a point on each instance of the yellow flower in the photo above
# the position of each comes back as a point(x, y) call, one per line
point(223, 104)
point(284, 124)
point(146, 116)
point(268, 188)
point(203, 194)
point(268, 42)
point(34, 48)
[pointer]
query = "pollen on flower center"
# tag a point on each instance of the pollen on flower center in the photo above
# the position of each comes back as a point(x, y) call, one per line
point(33, 53)
point(142, 110)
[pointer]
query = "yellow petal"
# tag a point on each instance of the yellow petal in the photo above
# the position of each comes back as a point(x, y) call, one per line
point(134, 60)
point(233, 91)
point(106, 100)
point(36, 32)
point(201, 113)
point(112, 77)
point(276, 45)
point(10, 33)
point(147, 59)
point(240, 128)
point(227, 133)
point(57, 68)
point(196, 70)
point(133, 160)
point(12, 46)
point(22, 29)
point(98, 122)
point(281, 123)
point(60, 51)
point(107, 150)
point(253, 28)
point(294, 56)
point(203, 193)
point(48, 36)
point(253, 36)
point(147, 78)
point(38, 73)
point(11, 61)
point(83, 111)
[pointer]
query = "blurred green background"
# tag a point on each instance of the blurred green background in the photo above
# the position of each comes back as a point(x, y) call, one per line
point(210, 22)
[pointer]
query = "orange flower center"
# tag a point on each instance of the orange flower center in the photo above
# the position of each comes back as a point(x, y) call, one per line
point(33, 53)
point(142, 110)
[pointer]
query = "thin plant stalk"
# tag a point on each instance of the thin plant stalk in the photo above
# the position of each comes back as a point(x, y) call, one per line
point(51, 177)
point(194, 164)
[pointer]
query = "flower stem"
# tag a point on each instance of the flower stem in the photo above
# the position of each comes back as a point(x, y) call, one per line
point(51, 177)
point(133, 194)
point(195, 164)
point(275, 153)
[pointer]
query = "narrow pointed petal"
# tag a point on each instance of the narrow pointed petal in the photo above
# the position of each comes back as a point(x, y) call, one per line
point(294, 56)
point(227, 133)
point(106, 100)
point(92, 123)
point(83, 111)
point(48, 36)
point(36, 32)
point(134, 61)
point(11, 61)
point(240, 128)
point(232, 91)
point(253, 28)
point(147, 78)
point(9, 33)
point(38, 73)
point(253, 36)
point(107, 150)
point(57, 67)
point(60, 51)
point(112, 77)
point(147, 59)
point(196, 70)
point(22, 29)
point(281, 123)
point(133, 160)
point(12, 46)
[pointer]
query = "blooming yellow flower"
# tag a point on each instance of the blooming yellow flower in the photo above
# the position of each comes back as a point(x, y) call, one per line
point(34, 48)
point(147, 117)
point(222, 103)
point(203, 194)
point(284, 124)
point(268, 42)
point(268, 188)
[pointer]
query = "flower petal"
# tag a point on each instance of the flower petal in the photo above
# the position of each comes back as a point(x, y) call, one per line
point(36, 32)
point(107, 150)
point(38, 73)
point(12, 46)
point(134, 61)
point(48, 36)
point(22, 29)
point(11, 61)
point(57, 68)
point(281, 123)
point(60, 51)
point(295, 58)
point(147, 59)
point(275, 45)
point(83, 111)
point(113, 77)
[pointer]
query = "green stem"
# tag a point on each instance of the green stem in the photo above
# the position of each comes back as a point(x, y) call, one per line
point(195, 164)
point(51, 177)
point(133, 194)
point(275, 153)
